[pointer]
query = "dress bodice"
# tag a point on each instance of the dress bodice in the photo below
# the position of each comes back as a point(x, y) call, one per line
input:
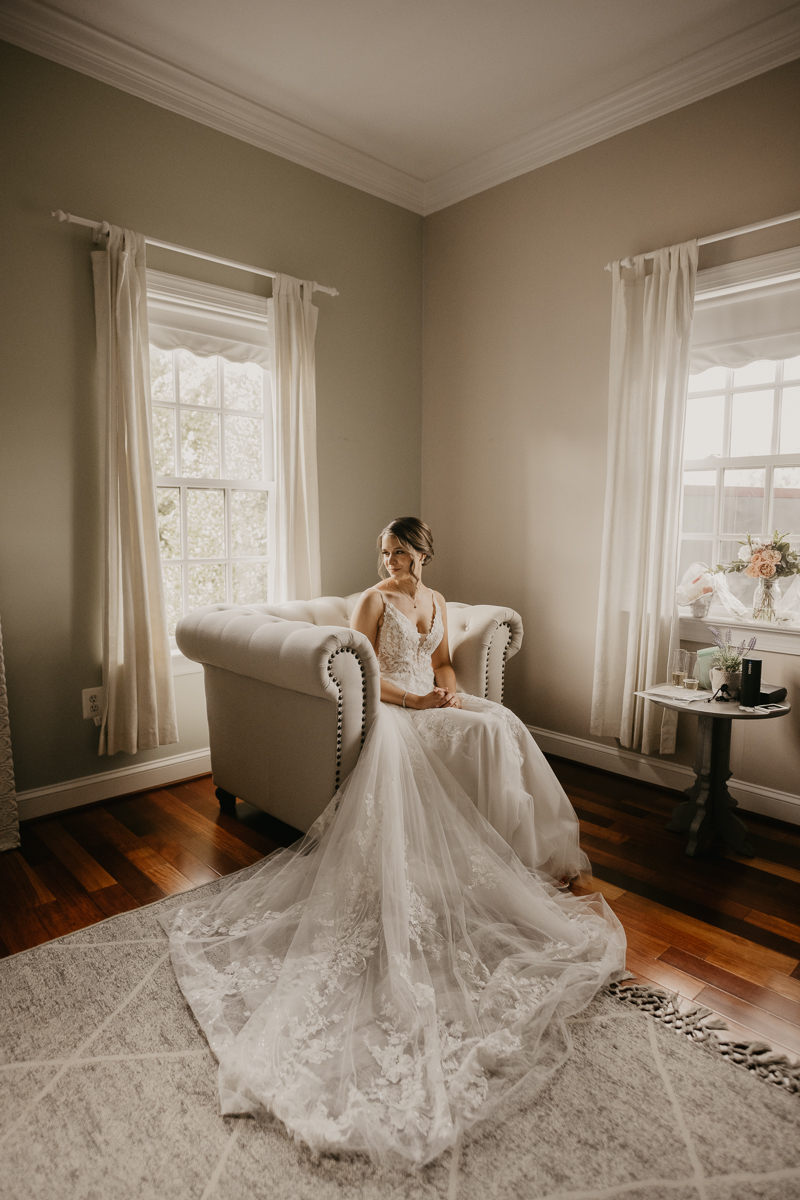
point(404, 654)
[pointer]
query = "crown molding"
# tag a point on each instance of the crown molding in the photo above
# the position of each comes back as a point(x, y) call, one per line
point(768, 44)
point(37, 27)
point(63, 39)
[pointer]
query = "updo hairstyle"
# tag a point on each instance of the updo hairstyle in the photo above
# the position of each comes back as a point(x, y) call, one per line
point(412, 534)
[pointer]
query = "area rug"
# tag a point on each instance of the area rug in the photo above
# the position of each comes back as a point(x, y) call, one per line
point(108, 1092)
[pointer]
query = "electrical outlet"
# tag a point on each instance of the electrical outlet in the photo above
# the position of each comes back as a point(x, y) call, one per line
point(93, 701)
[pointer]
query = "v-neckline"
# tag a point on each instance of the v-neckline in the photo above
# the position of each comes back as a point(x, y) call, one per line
point(413, 624)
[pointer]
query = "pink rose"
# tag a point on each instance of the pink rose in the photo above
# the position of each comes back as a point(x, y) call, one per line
point(765, 570)
point(771, 556)
point(753, 569)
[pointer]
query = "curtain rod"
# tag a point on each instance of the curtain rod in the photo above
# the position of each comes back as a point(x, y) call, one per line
point(722, 237)
point(225, 262)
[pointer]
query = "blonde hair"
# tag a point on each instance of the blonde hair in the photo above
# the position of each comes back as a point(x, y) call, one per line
point(412, 534)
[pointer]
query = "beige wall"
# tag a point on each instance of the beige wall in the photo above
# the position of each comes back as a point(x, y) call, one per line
point(516, 324)
point(67, 141)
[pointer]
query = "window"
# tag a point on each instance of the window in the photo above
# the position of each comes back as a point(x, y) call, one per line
point(741, 462)
point(212, 438)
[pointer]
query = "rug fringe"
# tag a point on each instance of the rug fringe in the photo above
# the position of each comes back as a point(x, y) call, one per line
point(701, 1025)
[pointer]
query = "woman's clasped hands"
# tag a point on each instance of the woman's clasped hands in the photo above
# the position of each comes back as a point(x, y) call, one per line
point(437, 698)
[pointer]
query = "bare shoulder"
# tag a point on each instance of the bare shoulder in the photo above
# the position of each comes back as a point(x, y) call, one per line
point(369, 606)
point(441, 603)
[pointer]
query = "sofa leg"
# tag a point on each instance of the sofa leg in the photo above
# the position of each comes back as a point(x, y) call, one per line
point(227, 802)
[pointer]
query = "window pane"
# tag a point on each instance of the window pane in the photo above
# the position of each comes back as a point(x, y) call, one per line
point(173, 593)
point(698, 501)
point(164, 441)
point(704, 427)
point(694, 551)
point(751, 423)
point(199, 445)
point(244, 386)
point(205, 522)
point(790, 421)
point(762, 371)
point(249, 522)
point(791, 368)
point(786, 509)
point(198, 378)
point(162, 382)
point(244, 449)
point(169, 522)
point(743, 501)
point(710, 380)
point(250, 583)
point(206, 584)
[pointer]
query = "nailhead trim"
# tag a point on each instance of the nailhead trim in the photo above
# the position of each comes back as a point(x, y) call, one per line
point(500, 625)
point(339, 705)
point(507, 625)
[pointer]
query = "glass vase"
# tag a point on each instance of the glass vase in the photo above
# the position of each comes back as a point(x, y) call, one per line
point(765, 600)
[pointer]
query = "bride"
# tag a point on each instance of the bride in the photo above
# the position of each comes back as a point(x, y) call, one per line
point(408, 964)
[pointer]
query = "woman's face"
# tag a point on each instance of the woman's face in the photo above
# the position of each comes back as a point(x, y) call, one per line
point(398, 559)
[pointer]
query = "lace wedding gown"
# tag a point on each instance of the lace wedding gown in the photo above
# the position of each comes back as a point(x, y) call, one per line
point(390, 978)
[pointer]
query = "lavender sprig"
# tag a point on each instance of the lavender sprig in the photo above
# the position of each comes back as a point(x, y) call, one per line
point(725, 655)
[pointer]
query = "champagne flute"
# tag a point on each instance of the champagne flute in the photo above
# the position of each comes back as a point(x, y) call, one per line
point(679, 663)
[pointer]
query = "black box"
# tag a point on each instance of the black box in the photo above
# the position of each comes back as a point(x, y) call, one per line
point(751, 682)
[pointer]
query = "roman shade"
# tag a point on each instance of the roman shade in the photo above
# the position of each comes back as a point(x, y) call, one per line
point(188, 315)
point(747, 310)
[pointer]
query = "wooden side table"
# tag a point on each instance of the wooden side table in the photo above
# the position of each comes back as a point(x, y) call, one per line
point(708, 814)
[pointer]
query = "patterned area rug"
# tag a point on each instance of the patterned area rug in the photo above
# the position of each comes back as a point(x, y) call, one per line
point(108, 1092)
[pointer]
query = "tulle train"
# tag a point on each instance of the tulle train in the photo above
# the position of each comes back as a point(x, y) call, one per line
point(383, 983)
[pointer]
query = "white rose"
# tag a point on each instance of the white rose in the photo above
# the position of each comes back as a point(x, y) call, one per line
point(744, 553)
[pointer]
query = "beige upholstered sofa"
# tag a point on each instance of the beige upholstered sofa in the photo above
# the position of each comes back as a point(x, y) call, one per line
point(292, 691)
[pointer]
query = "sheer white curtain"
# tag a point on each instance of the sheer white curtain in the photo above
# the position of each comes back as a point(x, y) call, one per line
point(293, 325)
point(9, 822)
point(137, 671)
point(651, 334)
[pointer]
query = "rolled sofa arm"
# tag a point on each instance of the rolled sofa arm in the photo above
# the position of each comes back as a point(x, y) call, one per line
point(482, 639)
point(289, 705)
point(289, 654)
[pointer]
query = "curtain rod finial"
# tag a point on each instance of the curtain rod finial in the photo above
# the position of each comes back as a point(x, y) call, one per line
point(60, 215)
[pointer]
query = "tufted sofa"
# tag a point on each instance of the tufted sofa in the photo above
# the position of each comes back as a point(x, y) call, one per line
point(291, 692)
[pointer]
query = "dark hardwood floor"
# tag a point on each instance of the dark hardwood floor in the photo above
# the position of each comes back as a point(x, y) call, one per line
point(720, 931)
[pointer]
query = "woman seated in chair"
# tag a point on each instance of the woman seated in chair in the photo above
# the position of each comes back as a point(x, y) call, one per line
point(384, 983)
point(483, 745)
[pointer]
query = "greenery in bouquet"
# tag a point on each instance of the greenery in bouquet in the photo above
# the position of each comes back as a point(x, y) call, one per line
point(725, 656)
point(762, 559)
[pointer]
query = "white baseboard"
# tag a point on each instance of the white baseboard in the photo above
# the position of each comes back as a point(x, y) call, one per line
point(91, 789)
point(39, 802)
point(769, 802)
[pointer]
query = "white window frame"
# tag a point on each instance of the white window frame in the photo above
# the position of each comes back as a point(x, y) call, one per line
point(731, 278)
point(226, 315)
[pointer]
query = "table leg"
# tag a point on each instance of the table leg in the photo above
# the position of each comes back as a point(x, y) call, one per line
point(708, 814)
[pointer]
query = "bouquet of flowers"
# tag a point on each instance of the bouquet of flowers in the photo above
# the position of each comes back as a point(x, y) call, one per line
point(762, 559)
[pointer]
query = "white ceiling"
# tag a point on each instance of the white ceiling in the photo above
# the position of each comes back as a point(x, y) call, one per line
point(423, 101)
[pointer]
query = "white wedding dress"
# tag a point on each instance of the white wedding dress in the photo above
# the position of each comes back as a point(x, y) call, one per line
point(386, 981)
